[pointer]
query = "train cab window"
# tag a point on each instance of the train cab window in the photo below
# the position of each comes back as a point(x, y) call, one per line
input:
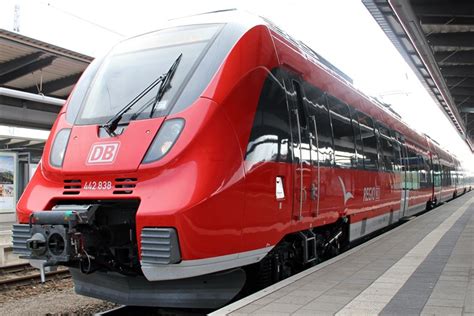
point(319, 116)
point(343, 133)
point(270, 135)
point(134, 64)
point(386, 148)
point(80, 90)
point(369, 141)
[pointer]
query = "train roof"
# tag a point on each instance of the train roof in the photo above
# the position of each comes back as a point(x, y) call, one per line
point(242, 21)
point(248, 20)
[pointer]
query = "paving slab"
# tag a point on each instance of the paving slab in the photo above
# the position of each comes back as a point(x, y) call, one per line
point(425, 266)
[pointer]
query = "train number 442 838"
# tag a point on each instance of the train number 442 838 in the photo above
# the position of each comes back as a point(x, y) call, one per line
point(97, 185)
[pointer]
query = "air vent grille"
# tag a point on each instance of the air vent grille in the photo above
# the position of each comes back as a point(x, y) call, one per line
point(159, 245)
point(72, 187)
point(20, 234)
point(125, 185)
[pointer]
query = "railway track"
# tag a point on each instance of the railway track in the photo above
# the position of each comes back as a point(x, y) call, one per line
point(15, 268)
point(24, 274)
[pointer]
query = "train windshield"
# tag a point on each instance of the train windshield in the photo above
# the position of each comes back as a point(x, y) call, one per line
point(134, 64)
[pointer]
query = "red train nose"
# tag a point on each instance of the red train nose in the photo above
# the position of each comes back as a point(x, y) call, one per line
point(89, 152)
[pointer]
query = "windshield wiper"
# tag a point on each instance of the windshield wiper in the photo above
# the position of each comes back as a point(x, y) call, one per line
point(164, 86)
point(112, 124)
point(165, 79)
point(166, 83)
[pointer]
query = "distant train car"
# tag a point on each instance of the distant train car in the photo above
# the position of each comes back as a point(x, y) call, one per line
point(213, 153)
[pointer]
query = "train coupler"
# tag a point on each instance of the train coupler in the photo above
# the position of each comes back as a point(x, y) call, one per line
point(53, 236)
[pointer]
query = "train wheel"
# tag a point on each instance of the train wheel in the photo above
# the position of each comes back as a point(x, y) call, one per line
point(429, 205)
point(277, 265)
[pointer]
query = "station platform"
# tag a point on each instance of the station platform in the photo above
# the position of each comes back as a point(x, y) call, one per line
point(6, 227)
point(7, 257)
point(423, 267)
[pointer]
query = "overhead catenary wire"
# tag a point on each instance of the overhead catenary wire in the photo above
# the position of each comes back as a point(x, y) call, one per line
point(84, 20)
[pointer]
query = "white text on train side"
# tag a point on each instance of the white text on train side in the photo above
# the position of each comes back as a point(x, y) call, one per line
point(371, 194)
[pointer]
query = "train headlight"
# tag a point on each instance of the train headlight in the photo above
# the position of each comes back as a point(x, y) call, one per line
point(58, 149)
point(164, 140)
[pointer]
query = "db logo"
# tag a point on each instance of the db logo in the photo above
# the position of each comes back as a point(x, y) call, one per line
point(103, 153)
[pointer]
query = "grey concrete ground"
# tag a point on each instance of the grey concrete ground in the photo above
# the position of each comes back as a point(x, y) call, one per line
point(5, 227)
point(425, 266)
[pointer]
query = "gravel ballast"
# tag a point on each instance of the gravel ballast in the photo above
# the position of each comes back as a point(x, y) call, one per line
point(52, 298)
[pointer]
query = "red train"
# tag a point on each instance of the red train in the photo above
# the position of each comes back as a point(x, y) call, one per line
point(213, 153)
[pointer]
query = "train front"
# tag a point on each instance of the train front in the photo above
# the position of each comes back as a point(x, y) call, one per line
point(128, 191)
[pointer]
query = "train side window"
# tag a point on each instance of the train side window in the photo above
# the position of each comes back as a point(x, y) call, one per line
point(369, 141)
point(413, 168)
point(397, 152)
point(270, 135)
point(450, 176)
point(299, 102)
point(344, 146)
point(441, 172)
point(421, 168)
point(436, 172)
point(446, 172)
point(386, 148)
point(444, 177)
point(403, 161)
point(425, 170)
point(317, 108)
point(404, 155)
point(358, 139)
point(299, 124)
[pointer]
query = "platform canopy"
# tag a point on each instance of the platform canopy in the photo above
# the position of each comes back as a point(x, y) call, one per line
point(23, 140)
point(436, 38)
point(35, 79)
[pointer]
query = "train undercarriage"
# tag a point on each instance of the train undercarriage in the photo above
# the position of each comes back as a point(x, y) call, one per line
point(297, 252)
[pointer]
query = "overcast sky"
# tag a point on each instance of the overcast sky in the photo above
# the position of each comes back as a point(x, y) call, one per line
point(342, 31)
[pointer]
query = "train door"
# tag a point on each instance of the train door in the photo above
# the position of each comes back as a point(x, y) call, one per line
point(405, 192)
point(322, 153)
point(303, 171)
point(399, 168)
point(315, 159)
point(318, 153)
